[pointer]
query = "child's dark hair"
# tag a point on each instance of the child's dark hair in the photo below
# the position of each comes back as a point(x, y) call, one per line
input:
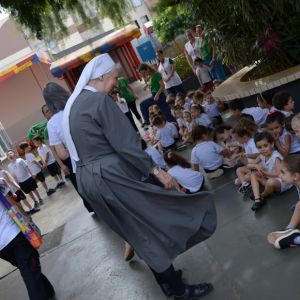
point(208, 93)
point(274, 116)
point(198, 132)
point(199, 95)
point(288, 122)
point(203, 90)
point(37, 138)
point(190, 94)
point(173, 159)
point(266, 97)
point(178, 107)
point(163, 117)
point(171, 101)
point(181, 95)
point(292, 163)
point(156, 106)
point(247, 116)
point(218, 81)
point(219, 130)
point(144, 144)
point(10, 150)
point(153, 116)
point(24, 145)
point(199, 107)
point(159, 113)
point(151, 113)
point(280, 99)
point(244, 127)
point(115, 92)
point(259, 136)
point(157, 121)
point(236, 104)
point(172, 95)
point(198, 59)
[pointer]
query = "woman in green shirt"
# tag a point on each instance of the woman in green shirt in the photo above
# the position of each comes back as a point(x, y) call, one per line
point(128, 93)
point(209, 55)
point(156, 84)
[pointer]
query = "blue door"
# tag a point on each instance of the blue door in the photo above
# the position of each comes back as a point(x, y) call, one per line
point(147, 53)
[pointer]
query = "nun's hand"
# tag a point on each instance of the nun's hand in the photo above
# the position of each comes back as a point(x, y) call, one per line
point(166, 179)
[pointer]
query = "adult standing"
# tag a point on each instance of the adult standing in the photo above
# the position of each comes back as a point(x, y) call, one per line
point(156, 85)
point(113, 174)
point(129, 94)
point(208, 53)
point(56, 97)
point(191, 50)
point(171, 79)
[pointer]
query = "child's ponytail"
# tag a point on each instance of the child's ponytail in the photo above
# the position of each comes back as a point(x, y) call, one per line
point(173, 159)
point(245, 126)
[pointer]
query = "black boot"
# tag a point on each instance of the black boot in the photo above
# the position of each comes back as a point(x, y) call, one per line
point(200, 291)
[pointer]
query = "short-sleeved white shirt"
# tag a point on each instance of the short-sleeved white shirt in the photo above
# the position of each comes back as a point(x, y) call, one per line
point(156, 156)
point(207, 154)
point(189, 126)
point(211, 110)
point(10, 177)
point(123, 105)
point(55, 129)
point(295, 142)
point(30, 158)
point(186, 177)
point(164, 135)
point(18, 169)
point(250, 148)
point(187, 106)
point(180, 122)
point(203, 73)
point(42, 153)
point(188, 100)
point(8, 228)
point(259, 115)
point(270, 164)
point(282, 111)
point(173, 129)
point(204, 120)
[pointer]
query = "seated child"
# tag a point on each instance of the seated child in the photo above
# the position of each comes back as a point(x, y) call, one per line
point(171, 126)
point(296, 125)
point(285, 142)
point(223, 105)
point(156, 109)
point(35, 167)
point(179, 118)
point(164, 134)
point(199, 98)
point(171, 103)
point(207, 153)
point(237, 108)
point(290, 236)
point(217, 82)
point(223, 133)
point(200, 117)
point(181, 171)
point(151, 136)
point(171, 96)
point(283, 102)
point(264, 100)
point(211, 108)
point(190, 97)
point(121, 102)
point(288, 123)
point(267, 166)
point(154, 153)
point(203, 75)
point(203, 90)
point(188, 123)
point(181, 101)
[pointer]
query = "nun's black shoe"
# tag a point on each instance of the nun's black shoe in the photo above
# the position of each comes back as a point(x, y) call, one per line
point(200, 291)
point(166, 289)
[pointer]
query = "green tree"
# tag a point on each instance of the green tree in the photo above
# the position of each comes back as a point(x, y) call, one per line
point(45, 18)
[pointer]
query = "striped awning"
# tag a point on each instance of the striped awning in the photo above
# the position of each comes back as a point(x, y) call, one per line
point(103, 45)
point(29, 61)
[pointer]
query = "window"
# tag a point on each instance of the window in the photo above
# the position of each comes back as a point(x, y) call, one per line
point(136, 3)
point(51, 44)
point(135, 23)
point(144, 19)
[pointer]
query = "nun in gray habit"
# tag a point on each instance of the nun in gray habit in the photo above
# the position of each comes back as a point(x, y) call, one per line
point(126, 189)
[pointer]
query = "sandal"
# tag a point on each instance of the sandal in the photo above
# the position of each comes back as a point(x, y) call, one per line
point(257, 205)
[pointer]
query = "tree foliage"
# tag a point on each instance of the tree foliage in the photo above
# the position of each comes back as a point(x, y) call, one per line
point(237, 26)
point(45, 18)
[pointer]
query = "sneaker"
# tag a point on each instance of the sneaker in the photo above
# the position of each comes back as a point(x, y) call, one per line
point(215, 174)
point(36, 204)
point(245, 188)
point(287, 240)
point(238, 182)
point(34, 210)
point(273, 236)
point(51, 191)
point(57, 187)
point(28, 212)
point(41, 201)
point(62, 184)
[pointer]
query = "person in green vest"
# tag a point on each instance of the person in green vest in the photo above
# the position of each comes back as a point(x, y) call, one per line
point(208, 53)
point(128, 93)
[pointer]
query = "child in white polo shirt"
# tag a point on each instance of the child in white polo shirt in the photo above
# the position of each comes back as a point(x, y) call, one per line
point(283, 102)
point(49, 161)
point(154, 153)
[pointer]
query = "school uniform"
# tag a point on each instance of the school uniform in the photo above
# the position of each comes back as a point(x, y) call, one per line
point(259, 115)
point(204, 120)
point(156, 156)
point(270, 167)
point(186, 177)
point(192, 49)
point(173, 129)
point(180, 122)
point(205, 76)
point(30, 158)
point(164, 135)
point(207, 154)
point(52, 165)
point(295, 142)
point(189, 126)
point(187, 106)
point(26, 182)
point(250, 148)
point(282, 111)
point(124, 107)
point(212, 110)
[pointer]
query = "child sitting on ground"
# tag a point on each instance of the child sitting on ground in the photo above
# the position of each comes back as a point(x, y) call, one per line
point(200, 117)
point(211, 108)
point(188, 122)
point(190, 97)
point(288, 123)
point(35, 167)
point(181, 101)
point(181, 171)
point(237, 108)
point(203, 75)
point(289, 174)
point(296, 125)
point(283, 102)
point(207, 153)
point(267, 166)
point(154, 153)
point(285, 142)
point(48, 161)
point(156, 109)
point(171, 103)
point(264, 100)
point(179, 118)
point(164, 134)
point(173, 128)
point(199, 98)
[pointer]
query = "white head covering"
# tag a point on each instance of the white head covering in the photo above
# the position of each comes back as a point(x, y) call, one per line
point(97, 67)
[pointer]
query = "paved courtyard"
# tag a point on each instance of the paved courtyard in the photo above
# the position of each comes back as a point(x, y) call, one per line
point(240, 263)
